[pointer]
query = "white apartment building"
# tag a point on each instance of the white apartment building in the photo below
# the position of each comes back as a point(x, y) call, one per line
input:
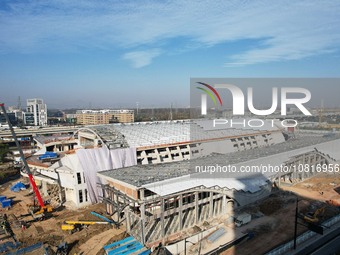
point(36, 107)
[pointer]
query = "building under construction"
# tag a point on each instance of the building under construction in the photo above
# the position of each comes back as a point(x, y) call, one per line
point(92, 149)
point(146, 173)
point(154, 177)
point(160, 201)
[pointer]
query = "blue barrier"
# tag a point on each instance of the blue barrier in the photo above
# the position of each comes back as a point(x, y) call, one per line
point(26, 249)
point(123, 248)
point(126, 246)
point(118, 243)
point(131, 250)
point(7, 246)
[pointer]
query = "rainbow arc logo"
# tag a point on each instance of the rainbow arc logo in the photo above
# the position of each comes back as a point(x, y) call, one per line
point(212, 93)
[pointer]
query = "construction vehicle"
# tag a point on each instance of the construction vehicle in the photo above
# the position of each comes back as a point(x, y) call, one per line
point(314, 217)
point(43, 208)
point(73, 226)
point(242, 219)
point(35, 216)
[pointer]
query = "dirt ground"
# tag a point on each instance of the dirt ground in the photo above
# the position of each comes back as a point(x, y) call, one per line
point(277, 224)
point(7, 173)
point(272, 224)
point(89, 240)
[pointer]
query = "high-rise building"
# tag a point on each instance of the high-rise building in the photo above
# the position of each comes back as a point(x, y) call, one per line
point(91, 117)
point(38, 109)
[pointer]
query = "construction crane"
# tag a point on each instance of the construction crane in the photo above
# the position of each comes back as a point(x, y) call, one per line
point(43, 207)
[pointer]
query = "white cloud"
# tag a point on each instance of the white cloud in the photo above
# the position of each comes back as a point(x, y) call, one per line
point(141, 58)
point(286, 29)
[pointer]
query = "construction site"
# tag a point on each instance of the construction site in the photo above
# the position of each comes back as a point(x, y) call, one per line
point(134, 189)
point(273, 215)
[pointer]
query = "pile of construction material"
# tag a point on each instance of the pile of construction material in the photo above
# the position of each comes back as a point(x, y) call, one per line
point(54, 195)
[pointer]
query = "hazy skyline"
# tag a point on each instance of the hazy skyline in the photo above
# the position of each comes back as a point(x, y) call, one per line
point(117, 53)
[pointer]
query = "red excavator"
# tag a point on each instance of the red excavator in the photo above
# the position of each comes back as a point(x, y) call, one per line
point(43, 207)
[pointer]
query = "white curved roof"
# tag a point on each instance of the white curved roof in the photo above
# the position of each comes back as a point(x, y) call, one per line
point(143, 134)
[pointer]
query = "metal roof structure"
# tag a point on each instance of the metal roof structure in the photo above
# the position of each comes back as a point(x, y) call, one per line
point(169, 178)
point(144, 134)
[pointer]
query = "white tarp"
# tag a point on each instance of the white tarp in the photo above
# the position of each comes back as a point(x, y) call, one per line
point(101, 159)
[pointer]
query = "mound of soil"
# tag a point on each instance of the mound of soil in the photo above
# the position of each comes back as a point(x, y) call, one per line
point(271, 205)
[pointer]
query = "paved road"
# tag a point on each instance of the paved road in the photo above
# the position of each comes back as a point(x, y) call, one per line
point(329, 244)
point(39, 131)
point(330, 248)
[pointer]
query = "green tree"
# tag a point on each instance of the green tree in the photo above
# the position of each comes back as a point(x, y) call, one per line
point(3, 151)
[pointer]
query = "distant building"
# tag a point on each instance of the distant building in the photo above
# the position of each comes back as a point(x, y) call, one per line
point(28, 118)
point(11, 117)
point(91, 117)
point(38, 109)
point(13, 114)
point(18, 112)
point(71, 118)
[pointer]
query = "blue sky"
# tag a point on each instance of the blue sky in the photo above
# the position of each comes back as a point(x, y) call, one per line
point(116, 53)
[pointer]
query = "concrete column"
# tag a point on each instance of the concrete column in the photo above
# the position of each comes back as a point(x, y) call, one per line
point(61, 194)
point(224, 204)
point(196, 208)
point(180, 212)
point(128, 221)
point(158, 156)
point(117, 209)
point(142, 216)
point(44, 188)
point(169, 153)
point(219, 207)
point(179, 152)
point(211, 204)
point(162, 218)
point(112, 198)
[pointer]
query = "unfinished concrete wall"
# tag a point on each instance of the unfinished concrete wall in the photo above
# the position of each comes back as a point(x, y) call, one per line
point(304, 166)
point(163, 154)
point(160, 218)
point(132, 192)
point(245, 198)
